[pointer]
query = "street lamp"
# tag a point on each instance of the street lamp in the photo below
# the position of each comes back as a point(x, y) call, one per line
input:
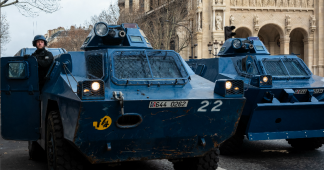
point(192, 46)
point(210, 47)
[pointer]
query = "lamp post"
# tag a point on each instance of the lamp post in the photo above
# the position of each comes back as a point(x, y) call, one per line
point(210, 47)
point(192, 46)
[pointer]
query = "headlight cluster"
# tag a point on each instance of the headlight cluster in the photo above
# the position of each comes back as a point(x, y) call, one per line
point(91, 89)
point(262, 81)
point(101, 29)
point(229, 88)
point(237, 43)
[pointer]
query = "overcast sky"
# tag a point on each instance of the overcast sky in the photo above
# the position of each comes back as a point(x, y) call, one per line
point(73, 12)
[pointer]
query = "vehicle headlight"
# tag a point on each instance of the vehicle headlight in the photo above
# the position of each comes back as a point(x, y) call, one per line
point(261, 81)
point(237, 43)
point(228, 85)
point(86, 92)
point(101, 29)
point(91, 89)
point(229, 88)
point(95, 86)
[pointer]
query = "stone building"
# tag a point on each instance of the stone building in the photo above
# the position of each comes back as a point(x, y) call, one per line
point(284, 26)
point(53, 35)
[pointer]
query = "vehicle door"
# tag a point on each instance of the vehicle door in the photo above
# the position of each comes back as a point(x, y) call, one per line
point(20, 106)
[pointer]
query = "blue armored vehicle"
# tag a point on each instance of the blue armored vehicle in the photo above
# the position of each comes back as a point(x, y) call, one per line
point(284, 99)
point(30, 51)
point(118, 100)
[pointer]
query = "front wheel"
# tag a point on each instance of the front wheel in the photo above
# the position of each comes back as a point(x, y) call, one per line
point(207, 162)
point(306, 143)
point(60, 154)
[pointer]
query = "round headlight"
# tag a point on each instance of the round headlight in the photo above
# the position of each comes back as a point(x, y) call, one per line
point(95, 86)
point(228, 85)
point(265, 79)
point(237, 43)
point(101, 29)
point(86, 92)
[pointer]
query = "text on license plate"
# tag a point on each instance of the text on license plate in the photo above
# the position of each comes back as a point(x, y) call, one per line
point(167, 104)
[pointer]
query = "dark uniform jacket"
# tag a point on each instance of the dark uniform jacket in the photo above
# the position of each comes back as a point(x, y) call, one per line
point(45, 60)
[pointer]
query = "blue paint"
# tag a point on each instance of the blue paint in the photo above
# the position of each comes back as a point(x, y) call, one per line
point(275, 110)
point(164, 133)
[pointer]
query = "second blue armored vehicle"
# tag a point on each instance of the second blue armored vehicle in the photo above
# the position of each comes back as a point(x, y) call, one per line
point(284, 99)
point(118, 100)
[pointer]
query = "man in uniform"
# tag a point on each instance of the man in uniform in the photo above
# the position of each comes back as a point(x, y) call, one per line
point(44, 58)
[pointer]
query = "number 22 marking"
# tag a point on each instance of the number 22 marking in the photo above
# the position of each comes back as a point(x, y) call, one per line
point(218, 103)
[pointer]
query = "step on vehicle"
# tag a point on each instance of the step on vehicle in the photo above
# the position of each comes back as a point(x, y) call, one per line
point(284, 99)
point(118, 100)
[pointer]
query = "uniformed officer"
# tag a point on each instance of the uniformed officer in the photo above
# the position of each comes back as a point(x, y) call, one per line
point(44, 58)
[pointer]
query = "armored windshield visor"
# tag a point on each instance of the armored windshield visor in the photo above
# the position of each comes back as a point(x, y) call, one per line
point(148, 67)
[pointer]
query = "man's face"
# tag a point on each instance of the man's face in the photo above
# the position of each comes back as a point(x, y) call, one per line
point(40, 44)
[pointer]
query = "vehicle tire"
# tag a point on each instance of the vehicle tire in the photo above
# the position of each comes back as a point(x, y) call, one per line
point(207, 162)
point(36, 152)
point(60, 154)
point(232, 145)
point(306, 143)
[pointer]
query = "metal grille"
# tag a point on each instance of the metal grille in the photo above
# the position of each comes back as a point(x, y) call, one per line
point(236, 84)
point(268, 83)
point(164, 66)
point(94, 64)
point(158, 64)
point(93, 93)
point(275, 67)
point(131, 65)
point(294, 67)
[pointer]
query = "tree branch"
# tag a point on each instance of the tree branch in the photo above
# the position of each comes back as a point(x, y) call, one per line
point(5, 1)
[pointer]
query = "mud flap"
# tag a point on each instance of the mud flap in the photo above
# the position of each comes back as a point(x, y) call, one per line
point(286, 121)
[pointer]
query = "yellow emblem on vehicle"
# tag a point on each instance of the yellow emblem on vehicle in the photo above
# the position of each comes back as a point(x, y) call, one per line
point(104, 123)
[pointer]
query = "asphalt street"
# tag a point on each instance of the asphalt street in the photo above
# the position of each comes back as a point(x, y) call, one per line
point(255, 155)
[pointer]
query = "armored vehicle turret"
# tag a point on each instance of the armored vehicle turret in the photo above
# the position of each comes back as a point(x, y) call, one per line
point(118, 100)
point(284, 99)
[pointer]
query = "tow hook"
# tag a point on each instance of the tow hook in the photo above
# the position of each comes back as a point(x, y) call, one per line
point(120, 98)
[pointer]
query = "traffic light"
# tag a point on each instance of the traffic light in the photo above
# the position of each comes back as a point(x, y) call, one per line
point(228, 32)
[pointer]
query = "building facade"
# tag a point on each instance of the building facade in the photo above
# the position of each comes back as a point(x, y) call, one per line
point(284, 26)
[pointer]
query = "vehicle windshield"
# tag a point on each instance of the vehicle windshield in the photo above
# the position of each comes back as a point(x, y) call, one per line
point(148, 65)
point(54, 51)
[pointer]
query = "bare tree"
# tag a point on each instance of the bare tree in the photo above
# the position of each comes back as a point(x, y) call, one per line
point(4, 32)
point(32, 7)
point(109, 15)
point(71, 40)
point(163, 23)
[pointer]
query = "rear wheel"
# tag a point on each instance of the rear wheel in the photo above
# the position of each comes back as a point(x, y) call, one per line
point(60, 154)
point(207, 162)
point(232, 145)
point(306, 143)
point(36, 152)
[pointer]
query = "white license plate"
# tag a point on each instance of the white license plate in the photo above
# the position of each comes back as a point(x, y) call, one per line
point(168, 104)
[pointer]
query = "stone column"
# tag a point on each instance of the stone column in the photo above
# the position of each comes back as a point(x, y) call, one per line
point(272, 46)
point(284, 45)
point(214, 20)
point(199, 48)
